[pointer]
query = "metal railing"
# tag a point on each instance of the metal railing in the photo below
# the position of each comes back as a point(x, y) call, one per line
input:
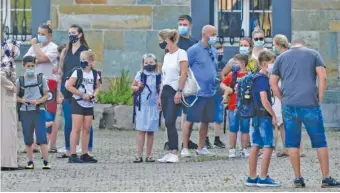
point(14, 19)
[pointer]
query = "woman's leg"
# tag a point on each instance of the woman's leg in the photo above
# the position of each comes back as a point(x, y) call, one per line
point(77, 124)
point(150, 137)
point(86, 134)
point(140, 142)
point(68, 125)
point(55, 129)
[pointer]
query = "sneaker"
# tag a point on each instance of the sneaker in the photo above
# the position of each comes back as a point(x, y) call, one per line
point(74, 159)
point(149, 159)
point(62, 150)
point(330, 183)
point(166, 146)
point(245, 153)
point(46, 166)
point(86, 158)
point(172, 158)
point(192, 145)
point(267, 182)
point(204, 152)
point(138, 159)
point(78, 150)
point(299, 182)
point(164, 158)
point(252, 182)
point(208, 144)
point(219, 144)
point(185, 152)
point(30, 165)
point(232, 153)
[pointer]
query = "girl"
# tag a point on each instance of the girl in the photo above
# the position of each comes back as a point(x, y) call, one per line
point(146, 87)
point(258, 39)
point(83, 98)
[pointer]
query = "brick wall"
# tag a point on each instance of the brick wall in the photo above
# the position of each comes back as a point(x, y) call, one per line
point(119, 31)
point(318, 22)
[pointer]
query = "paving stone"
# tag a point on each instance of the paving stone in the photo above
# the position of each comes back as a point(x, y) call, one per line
point(117, 60)
point(113, 40)
point(317, 20)
point(310, 37)
point(334, 25)
point(135, 40)
point(167, 16)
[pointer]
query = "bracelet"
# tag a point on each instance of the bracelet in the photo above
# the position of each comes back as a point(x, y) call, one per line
point(179, 90)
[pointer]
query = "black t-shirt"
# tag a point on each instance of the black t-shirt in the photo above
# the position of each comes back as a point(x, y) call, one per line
point(72, 60)
point(185, 43)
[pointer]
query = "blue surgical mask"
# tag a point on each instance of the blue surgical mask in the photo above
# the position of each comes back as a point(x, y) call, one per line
point(73, 38)
point(183, 30)
point(259, 43)
point(244, 50)
point(212, 40)
point(42, 39)
point(235, 68)
point(84, 64)
point(30, 72)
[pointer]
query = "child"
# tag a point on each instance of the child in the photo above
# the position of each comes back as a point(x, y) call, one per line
point(265, 118)
point(32, 94)
point(84, 85)
point(146, 90)
point(235, 123)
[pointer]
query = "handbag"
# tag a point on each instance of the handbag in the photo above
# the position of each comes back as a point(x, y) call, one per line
point(191, 87)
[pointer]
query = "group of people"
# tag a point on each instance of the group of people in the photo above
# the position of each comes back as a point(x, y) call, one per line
point(67, 75)
point(281, 91)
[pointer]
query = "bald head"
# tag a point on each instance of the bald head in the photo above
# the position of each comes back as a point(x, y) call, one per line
point(298, 43)
point(208, 28)
point(208, 31)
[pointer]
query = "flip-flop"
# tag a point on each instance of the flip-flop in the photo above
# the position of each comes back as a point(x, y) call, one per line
point(282, 154)
point(63, 156)
point(302, 155)
point(53, 150)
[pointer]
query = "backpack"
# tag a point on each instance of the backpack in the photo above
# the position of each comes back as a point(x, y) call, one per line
point(22, 90)
point(137, 95)
point(68, 95)
point(246, 105)
point(52, 99)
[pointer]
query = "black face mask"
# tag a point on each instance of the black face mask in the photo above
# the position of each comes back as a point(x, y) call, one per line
point(163, 45)
point(150, 68)
point(220, 57)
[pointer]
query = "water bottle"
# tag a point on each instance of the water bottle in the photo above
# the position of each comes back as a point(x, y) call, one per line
point(247, 95)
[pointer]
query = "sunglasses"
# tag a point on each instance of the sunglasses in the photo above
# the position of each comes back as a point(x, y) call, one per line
point(257, 39)
point(30, 66)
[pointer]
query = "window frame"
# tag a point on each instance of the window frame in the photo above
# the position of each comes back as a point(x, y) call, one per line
point(245, 24)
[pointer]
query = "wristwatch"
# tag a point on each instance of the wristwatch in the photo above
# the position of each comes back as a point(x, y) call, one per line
point(179, 90)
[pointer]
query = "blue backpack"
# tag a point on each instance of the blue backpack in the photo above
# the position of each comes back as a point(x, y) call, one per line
point(246, 105)
point(137, 95)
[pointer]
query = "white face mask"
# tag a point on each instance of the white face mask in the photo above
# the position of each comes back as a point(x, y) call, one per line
point(270, 68)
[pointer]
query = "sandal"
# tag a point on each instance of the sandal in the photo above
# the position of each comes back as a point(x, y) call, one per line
point(53, 150)
point(282, 154)
point(138, 160)
point(149, 159)
point(64, 155)
point(302, 155)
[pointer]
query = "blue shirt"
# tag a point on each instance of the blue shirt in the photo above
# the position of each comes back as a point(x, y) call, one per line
point(221, 64)
point(261, 84)
point(202, 62)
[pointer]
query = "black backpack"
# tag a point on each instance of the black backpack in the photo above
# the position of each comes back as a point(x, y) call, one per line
point(68, 95)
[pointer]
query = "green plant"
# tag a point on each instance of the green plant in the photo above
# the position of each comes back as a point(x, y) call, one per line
point(120, 92)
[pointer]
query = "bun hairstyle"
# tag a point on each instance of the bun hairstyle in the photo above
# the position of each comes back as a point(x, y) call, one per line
point(266, 56)
point(169, 34)
point(47, 26)
point(89, 54)
point(282, 41)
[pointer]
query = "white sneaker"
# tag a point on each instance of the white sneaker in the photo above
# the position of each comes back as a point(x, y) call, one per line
point(164, 158)
point(245, 153)
point(78, 149)
point(232, 153)
point(185, 152)
point(172, 158)
point(62, 150)
point(204, 152)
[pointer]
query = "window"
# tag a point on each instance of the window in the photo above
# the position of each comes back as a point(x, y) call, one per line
point(17, 18)
point(238, 18)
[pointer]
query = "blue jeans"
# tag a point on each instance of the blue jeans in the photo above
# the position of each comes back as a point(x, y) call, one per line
point(49, 118)
point(33, 121)
point(68, 123)
point(236, 124)
point(311, 117)
point(263, 135)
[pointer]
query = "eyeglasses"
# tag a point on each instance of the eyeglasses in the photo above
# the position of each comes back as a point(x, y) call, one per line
point(257, 39)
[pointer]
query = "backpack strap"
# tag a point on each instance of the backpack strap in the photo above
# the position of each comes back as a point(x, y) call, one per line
point(79, 80)
point(40, 83)
point(21, 86)
point(95, 76)
point(233, 81)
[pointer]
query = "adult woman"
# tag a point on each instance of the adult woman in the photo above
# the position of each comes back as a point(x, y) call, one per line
point(8, 106)
point(246, 47)
point(175, 63)
point(258, 39)
point(69, 60)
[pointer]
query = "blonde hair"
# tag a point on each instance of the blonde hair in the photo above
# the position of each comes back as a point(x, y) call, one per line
point(150, 55)
point(257, 30)
point(89, 54)
point(281, 40)
point(266, 56)
point(169, 34)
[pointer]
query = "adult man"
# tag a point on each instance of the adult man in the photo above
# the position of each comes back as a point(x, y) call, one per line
point(202, 61)
point(185, 42)
point(298, 69)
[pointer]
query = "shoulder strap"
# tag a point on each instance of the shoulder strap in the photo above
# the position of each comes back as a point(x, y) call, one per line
point(143, 78)
point(79, 78)
point(233, 80)
point(21, 86)
point(95, 75)
point(40, 83)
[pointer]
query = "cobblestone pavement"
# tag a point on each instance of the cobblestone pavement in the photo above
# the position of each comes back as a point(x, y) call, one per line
point(116, 172)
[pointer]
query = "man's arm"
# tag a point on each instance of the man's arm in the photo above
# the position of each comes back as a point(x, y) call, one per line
point(322, 76)
point(39, 55)
point(274, 84)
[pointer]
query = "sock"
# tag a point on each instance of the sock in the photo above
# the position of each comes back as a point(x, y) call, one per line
point(45, 162)
point(263, 178)
point(217, 138)
point(30, 162)
point(252, 178)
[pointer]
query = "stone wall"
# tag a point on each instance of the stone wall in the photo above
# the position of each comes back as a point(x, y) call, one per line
point(119, 31)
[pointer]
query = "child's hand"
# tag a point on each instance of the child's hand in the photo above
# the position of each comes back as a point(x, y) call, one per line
point(23, 101)
point(159, 104)
point(86, 97)
point(224, 100)
point(274, 120)
point(135, 88)
point(140, 85)
point(35, 102)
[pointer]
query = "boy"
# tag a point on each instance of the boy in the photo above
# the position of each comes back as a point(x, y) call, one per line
point(239, 70)
point(32, 93)
point(263, 136)
point(218, 101)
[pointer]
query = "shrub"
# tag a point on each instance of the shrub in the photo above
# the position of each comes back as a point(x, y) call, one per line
point(119, 93)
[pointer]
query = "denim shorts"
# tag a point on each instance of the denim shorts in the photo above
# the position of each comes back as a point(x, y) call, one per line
point(202, 111)
point(237, 124)
point(218, 109)
point(49, 118)
point(34, 121)
point(311, 117)
point(263, 135)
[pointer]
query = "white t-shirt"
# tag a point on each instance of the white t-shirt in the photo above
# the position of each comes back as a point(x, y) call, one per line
point(171, 68)
point(86, 87)
point(51, 52)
